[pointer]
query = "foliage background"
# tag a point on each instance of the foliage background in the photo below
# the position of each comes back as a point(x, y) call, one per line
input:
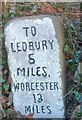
point(72, 16)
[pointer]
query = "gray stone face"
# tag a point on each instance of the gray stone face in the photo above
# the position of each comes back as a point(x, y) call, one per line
point(35, 67)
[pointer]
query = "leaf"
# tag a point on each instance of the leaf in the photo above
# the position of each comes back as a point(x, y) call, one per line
point(30, 116)
point(2, 113)
point(81, 108)
point(78, 115)
point(12, 15)
point(77, 77)
point(47, 8)
point(35, 8)
point(1, 67)
point(6, 86)
point(50, 9)
point(73, 68)
point(0, 89)
point(55, 6)
point(10, 113)
point(1, 79)
point(71, 75)
point(72, 61)
point(3, 100)
point(5, 71)
point(78, 96)
point(67, 49)
point(23, 8)
point(78, 56)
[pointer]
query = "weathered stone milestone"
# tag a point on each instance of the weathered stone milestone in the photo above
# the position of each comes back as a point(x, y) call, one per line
point(35, 63)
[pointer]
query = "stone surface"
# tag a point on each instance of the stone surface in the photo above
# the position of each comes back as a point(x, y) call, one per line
point(35, 66)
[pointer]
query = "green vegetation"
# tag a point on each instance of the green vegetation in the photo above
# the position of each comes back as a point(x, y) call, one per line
point(70, 13)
